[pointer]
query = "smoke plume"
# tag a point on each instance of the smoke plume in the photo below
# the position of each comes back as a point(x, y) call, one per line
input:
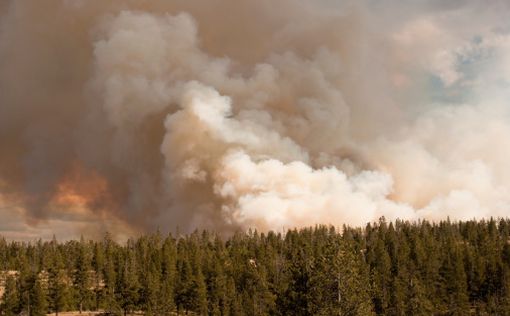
point(129, 116)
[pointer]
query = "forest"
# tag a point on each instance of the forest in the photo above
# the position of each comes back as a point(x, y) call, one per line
point(384, 268)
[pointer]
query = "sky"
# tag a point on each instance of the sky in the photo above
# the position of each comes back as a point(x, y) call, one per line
point(133, 116)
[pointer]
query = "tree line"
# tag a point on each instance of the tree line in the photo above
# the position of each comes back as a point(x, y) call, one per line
point(396, 268)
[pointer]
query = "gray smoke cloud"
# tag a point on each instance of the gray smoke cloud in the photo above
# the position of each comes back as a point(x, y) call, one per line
point(129, 116)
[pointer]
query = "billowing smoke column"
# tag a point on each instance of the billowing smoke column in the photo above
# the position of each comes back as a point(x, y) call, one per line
point(136, 115)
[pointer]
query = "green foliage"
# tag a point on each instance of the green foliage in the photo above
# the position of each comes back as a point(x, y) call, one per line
point(58, 283)
point(82, 279)
point(397, 268)
point(10, 300)
point(39, 301)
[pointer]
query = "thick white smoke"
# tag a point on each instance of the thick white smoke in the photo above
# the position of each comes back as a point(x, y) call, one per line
point(160, 114)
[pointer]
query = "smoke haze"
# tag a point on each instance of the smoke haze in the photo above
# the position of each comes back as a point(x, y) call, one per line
point(128, 116)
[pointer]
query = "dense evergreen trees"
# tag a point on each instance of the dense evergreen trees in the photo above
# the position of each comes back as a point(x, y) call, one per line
point(385, 268)
point(10, 299)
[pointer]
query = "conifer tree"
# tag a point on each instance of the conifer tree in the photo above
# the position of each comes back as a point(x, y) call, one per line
point(25, 280)
point(3, 254)
point(169, 254)
point(39, 300)
point(10, 300)
point(199, 293)
point(128, 294)
point(184, 289)
point(57, 284)
point(233, 306)
point(417, 301)
point(98, 276)
point(109, 274)
point(82, 278)
point(217, 286)
point(353, 284)
point(380, 264)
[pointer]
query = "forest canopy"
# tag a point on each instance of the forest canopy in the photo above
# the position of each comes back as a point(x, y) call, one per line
point(385, 268)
